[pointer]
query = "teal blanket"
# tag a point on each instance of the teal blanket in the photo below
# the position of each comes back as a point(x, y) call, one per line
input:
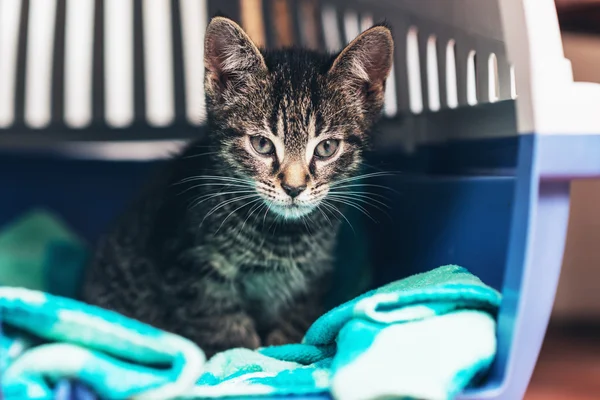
point(428, 336)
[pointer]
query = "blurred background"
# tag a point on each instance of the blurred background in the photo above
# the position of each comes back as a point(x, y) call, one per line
point(569, 365)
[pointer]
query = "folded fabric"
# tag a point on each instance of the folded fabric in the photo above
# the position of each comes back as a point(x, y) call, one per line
point(424, 337)
point(38, 251)
point(67, 390)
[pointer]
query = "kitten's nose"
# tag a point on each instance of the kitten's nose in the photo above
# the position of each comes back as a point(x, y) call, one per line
point(293, 191)
point(294, 178)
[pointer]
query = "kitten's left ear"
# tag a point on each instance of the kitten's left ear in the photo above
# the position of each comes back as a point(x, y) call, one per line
point(366, 62)
point(229, 55)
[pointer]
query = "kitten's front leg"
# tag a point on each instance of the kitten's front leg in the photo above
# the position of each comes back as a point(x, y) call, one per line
point(294, 322)
point(208, 310)
point(217, 333)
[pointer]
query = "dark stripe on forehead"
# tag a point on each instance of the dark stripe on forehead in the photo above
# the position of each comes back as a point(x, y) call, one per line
point(319, 124)
point(315, 96)
point(307, 115)
point(275, 114)
point(284, 116)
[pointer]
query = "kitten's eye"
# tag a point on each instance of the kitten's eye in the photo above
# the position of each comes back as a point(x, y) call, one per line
point(262, 145)
point(327, 148)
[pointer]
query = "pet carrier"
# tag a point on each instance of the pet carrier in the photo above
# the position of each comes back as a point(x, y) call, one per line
point(481, 116)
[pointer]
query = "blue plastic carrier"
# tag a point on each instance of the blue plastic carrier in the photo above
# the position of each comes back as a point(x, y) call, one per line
point(482, 118)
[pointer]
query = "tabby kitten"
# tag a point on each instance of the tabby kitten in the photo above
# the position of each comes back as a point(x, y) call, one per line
point(234, 247)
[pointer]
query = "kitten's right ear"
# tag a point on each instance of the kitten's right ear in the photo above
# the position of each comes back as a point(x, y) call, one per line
point(364, 65)
point(229, 54)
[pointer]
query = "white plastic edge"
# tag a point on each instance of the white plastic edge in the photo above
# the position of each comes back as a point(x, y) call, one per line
point(117, 151)
point(548, 101)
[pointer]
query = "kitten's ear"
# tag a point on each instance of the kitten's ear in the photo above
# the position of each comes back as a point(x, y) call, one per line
point(366, 62)
point(229, 54)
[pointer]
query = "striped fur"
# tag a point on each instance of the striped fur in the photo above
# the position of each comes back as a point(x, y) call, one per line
point(217, 251)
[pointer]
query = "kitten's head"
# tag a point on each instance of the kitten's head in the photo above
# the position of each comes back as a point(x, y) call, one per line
point(294, 121)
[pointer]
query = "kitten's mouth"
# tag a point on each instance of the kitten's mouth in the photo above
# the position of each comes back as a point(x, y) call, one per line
point(291, 208)
point(292, 211)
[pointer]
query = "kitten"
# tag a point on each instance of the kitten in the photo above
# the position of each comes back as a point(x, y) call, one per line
point(234, 247)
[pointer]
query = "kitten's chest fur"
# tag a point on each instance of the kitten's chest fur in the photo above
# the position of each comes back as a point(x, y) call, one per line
point(231, 253)
point(262, 263)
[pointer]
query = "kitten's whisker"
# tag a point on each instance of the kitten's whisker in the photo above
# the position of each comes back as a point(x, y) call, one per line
point(359, 197)
point(220, 193)
point(257, 216)
point(216, 178)
point(201, 199)
point(234, 211)
point(219, 183)
point(363, 176)
point(268, 208)
point(362, 185)
point(334, 208)
point(311, 244)
point(308, 226)
point(379, 169)
point(349, 201)
point(212, 184)
point(365, 201)
point(274, 223)
point(324, 214)
point(321, 223)
point(361, 193)
point(354, 205)
point(225, 203)
point(252, 210)
point(305, 225)
point(259, 210)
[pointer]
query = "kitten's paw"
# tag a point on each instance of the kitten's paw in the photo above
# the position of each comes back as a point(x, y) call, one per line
point(223, 332)
point(242, 333)
point(281, 336)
